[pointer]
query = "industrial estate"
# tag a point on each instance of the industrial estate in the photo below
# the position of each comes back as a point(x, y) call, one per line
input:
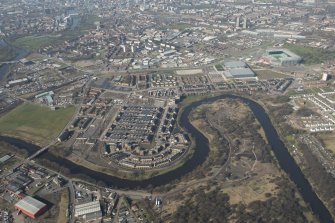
point(167, 111)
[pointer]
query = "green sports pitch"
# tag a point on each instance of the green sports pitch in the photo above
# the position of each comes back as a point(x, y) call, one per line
point(35, 123)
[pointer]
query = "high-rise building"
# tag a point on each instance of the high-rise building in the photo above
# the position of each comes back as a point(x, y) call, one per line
point(237, 22)
point(245, 22)
point(310, 2)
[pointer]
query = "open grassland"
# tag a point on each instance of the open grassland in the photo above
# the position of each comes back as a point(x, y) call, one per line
point(265, 74)
point(329, 141)
point(311, 55)
point(32, 43)
point(253, 190)
point(35, 123)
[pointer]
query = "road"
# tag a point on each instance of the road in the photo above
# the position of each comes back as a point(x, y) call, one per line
point(116, 219)
point(133, 193)
point(8, 62)
point(45, 148)
point(72, 201)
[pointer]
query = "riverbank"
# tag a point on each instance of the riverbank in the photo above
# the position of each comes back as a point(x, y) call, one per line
point(198, 157)
point(308, 163)
point(35, 123)
point(18, 54)
point(286, 162)
point(247, 175)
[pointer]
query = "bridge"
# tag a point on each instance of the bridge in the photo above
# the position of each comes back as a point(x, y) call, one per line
point(9, 62)
point(38, 153)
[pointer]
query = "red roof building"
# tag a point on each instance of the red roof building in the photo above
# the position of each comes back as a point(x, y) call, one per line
point(31, 207)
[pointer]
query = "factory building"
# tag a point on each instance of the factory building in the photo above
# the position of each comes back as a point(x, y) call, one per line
point(88, 211)
point(17, 82)
point(238, 70)
point(324, 77)
point(31, 207)
point(46, 97)
point(64, 136)
point(282, 57)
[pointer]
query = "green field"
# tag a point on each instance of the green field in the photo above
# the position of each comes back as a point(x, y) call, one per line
point(311, 55)
point(35, 123)
point(33, 43)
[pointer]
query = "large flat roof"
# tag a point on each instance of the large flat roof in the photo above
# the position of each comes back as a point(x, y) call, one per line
point(30, 204)
point(235, 64)
point(5, 158)
point(239, 73)
point(87, 208)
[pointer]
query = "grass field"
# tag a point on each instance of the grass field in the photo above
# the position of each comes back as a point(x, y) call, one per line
point(311, 55)
point(329, 141)
point(292, 92)
point(35, 123)
point(33, 43)
point(265, 74)
point(254, 190)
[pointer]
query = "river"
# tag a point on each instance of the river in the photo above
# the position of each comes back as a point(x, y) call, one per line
point(285, 160)
point(19, 54)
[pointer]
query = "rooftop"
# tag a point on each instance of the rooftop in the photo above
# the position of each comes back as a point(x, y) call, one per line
point(235, 64)
point(30, 205)
point(239, 73)
point(87, 208)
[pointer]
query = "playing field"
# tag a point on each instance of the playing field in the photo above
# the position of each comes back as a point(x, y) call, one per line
point(35, 123)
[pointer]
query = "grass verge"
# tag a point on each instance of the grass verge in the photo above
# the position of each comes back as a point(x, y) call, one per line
point(63, 204)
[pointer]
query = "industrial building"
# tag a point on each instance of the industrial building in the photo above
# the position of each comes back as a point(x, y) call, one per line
point(282, 57)
point(238, 70)
point(46, 97)
point(66, 134)
point(17, 82)
point(88, 211)
point(5, 158)
point(31, 207)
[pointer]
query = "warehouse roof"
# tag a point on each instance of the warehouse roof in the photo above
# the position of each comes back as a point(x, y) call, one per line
point(30, 204)
point(5, 158)
point(239, 72)
point(235, 64)
point(87, 208)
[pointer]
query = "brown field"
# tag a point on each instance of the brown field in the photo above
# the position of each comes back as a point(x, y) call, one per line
point(329, 141)
point(63, 204)
point(269, 74)
point(85, 63)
